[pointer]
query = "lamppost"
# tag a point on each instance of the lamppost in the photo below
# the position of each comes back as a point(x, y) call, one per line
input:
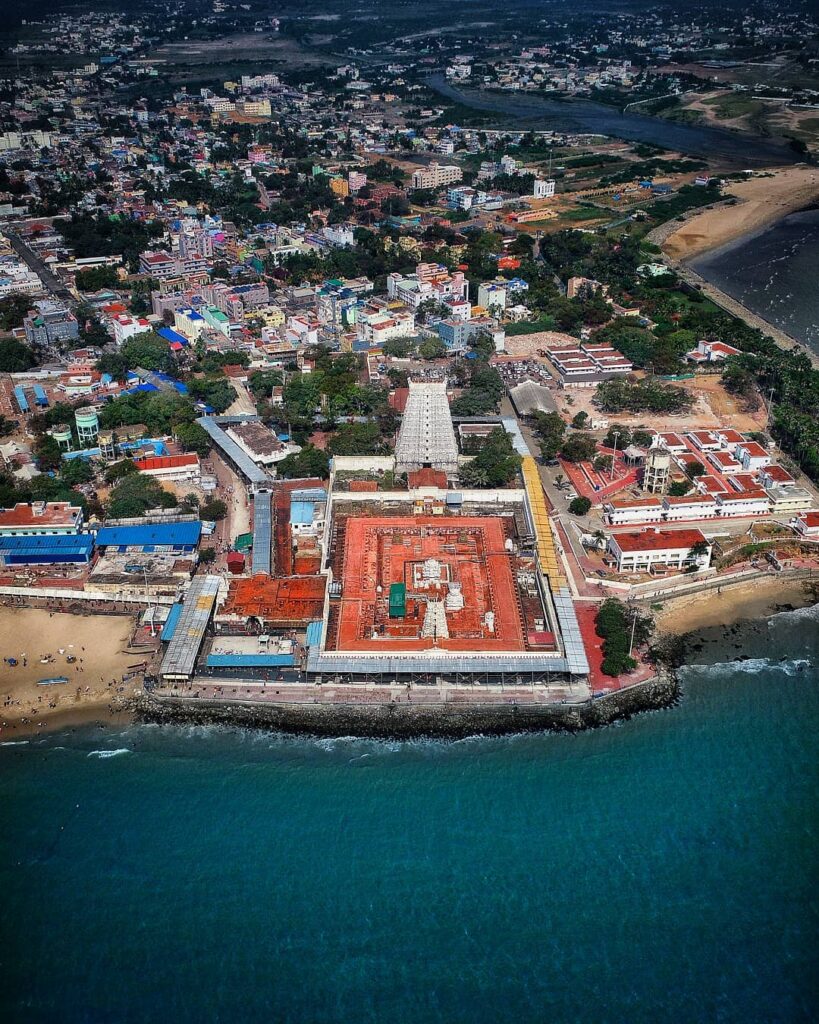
point(148, 599)
point(615, 435)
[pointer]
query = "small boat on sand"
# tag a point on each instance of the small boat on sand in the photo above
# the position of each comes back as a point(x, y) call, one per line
point(52, 681)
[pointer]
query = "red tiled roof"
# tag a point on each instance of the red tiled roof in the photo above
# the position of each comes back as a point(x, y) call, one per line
point(54, 513)
point(166, 461)
point(638, 503)
point(754, 448)
point(689, 499)
point(658, 540)
point(745, 496)
point(778, 474)
point(427, 477)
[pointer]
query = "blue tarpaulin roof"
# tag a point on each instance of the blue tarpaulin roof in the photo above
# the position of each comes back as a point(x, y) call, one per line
point(301, 512)
point(171, 335)
point(151, 534)
point(242, 660)
point(169, 626)
point(314, 632)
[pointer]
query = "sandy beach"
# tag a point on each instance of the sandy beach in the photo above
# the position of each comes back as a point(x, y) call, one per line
point(753, 600)
point(762, 201)
point(29, 635)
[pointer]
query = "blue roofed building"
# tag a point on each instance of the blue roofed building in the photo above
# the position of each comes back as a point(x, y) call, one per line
point(65, 549)
point(174, 338)
point(181, 538)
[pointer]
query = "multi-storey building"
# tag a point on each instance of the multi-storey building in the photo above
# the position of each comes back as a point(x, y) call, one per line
point(50, 323)
point(436, 175)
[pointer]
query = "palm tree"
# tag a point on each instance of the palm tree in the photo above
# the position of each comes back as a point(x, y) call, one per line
point(698, 548)
point(559, 478)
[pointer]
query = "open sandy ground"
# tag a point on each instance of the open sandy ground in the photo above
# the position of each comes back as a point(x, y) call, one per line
point(756, 599)
point(97, 642)
point(762, 201)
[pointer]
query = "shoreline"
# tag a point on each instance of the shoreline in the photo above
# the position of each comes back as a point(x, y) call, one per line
point(686, 617)
point(408, 721)
point(738, 602)
point(89, 652)
point(762, 203)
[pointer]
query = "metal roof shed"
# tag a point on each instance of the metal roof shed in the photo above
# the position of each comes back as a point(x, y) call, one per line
point(151, 535)
point(179, 662)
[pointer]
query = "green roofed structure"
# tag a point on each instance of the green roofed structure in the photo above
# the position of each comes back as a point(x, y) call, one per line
point(398, 600)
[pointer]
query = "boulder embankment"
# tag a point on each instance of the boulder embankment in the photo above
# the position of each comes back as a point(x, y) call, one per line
point(407, 721)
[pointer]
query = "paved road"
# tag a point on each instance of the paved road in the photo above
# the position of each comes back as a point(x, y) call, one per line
point(33, 262)
point(280, 692)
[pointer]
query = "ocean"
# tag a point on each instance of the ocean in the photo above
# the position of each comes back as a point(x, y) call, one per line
point(774, 274)
point(663, 869)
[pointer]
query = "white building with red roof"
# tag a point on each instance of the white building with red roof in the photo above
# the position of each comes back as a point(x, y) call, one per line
point(689, 506)
point(807, 524)
point(625, 513)
point(654, 549)
point(724, 462)
point(40, 519)
point(752, 455)
point(170, 467)
point(775, 474)
point(673, 442)
point(705, 440)
point(745, 503)
point(711, 352)
point(126, 327)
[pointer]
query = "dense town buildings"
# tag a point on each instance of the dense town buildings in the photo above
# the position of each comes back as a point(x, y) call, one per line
point(320, 308)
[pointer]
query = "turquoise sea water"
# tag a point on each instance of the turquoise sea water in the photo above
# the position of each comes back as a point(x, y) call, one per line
point(660, 870)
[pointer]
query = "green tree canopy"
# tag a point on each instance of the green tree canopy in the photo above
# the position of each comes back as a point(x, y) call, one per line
point(309, 462)
point(15, 356)
point(495, 465)
point(135, 494)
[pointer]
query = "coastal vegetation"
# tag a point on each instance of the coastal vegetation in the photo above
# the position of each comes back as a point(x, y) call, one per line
point(619, 395)
point(623, 630)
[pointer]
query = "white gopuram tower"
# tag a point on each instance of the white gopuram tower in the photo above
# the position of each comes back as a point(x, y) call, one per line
point(426, 437)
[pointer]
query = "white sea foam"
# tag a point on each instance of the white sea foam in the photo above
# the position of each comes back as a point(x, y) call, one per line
point(103, 754)
point(811, 612)
point(753, 666)
point(13, 743)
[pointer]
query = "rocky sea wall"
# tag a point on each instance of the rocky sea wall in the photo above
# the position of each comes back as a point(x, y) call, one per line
point(406, 721)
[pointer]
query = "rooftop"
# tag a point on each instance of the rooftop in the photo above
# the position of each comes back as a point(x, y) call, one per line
point(283, 602)
point(40, 515)
point(458, 579)
point(658, 540)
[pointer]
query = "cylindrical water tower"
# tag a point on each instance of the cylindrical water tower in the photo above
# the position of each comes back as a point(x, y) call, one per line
point(88, 425)
point(106, 445)
point(62, 435)
point(657, 470)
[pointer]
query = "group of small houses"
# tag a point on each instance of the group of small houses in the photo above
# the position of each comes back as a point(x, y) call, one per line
point(55, 534)
point(738, 479)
